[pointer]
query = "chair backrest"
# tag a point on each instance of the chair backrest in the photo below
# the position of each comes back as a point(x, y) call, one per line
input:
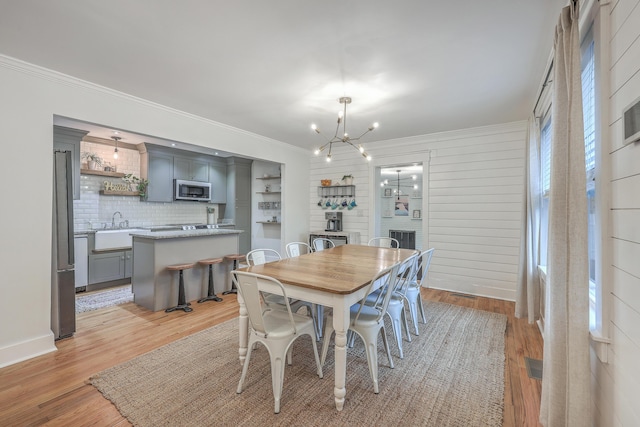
point(385, 276)
point(424, 263)
point(384, 242)
point(320, 244)
point(407, 274)
point(247, 285)
point(262, 256)
point(297, 248)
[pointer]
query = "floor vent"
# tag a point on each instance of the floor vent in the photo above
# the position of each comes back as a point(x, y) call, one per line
point(534, 368)
point(463, 296)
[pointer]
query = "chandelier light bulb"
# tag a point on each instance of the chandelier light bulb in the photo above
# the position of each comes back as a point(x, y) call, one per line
point(328, 158)
point(313, 126)
point(340, 114)
point(368, 157)
point(375, 125)
point(317, 151)
point(361, 148)
point(116, 139)
point(415, 187)
point(382, 184)
point(414, 177)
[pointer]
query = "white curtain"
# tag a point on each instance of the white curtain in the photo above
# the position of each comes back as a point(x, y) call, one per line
point(566, 370)
point(527, 295)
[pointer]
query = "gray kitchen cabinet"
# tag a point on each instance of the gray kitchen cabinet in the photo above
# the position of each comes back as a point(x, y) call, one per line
point(68, 139)
point(190, 169)
point(239, 199)
point(160, 176)
point(81, 256)
point(108, 266)
point(128, 263)
point(218, 180)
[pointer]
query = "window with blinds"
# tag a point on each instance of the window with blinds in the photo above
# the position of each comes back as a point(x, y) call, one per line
point(589, 117)
point(589, 108)
point(546, 140)
point(545, 155)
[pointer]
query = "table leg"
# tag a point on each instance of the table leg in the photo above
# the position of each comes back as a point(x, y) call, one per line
point(243, 330)
point(340, 325)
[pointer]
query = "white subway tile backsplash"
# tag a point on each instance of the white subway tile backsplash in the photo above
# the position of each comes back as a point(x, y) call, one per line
point(93, 210)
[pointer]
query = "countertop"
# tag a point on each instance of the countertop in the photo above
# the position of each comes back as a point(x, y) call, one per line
point(331, 233)
point(176, 234)
point(153, 228)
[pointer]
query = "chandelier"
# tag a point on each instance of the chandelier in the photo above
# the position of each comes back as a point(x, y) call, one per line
point(344, 137)
point(400, 182)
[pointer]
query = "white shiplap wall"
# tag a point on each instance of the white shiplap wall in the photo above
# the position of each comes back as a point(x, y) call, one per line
point(473, 202)
point(616, 383)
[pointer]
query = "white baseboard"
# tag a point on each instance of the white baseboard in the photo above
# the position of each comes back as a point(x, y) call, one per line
point(471, 289)
point(25, 350)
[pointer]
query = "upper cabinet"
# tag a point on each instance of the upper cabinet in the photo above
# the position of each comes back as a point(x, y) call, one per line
point(160, 176)
point(218, 180)
point(190, 169)
point(67, 139)
point(162, 165)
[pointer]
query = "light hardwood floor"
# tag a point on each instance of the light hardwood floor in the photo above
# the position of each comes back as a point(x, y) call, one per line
point(53, 389)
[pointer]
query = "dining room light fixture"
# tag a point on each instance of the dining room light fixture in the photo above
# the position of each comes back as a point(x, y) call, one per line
point(344, 137)
point(115, 152)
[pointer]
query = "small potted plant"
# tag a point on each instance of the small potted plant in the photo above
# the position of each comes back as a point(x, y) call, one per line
point(137, 184)
point(347, 179)
point(93, 160)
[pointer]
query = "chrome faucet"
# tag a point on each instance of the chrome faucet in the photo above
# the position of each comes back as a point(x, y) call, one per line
point(113, 218)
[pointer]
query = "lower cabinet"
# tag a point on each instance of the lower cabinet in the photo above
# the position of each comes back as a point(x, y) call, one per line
point(109, 266)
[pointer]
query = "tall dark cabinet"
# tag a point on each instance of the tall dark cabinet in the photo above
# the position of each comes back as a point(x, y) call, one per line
point(67, 139)
point(239, 199)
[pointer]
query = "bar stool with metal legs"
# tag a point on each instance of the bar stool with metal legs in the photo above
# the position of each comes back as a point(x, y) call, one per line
point(235, 258)
point(211, 293)
point(182, 303)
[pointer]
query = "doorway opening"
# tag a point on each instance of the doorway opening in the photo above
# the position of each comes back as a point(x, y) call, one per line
point(400, 205)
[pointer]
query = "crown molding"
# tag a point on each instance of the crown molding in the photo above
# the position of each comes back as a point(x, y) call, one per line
point(517, 126)
point(67, 80)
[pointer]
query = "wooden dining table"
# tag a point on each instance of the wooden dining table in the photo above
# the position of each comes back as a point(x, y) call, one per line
point(336, 278)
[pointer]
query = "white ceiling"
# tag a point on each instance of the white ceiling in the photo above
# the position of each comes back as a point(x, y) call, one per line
point(274, 67)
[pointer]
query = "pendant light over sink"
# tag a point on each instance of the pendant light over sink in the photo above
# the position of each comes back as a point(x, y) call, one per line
point(115, 152)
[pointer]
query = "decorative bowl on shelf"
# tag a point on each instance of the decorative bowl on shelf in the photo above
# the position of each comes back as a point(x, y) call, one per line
point(325, 182)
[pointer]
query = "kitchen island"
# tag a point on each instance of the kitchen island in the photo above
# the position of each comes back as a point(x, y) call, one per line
point(156, 288)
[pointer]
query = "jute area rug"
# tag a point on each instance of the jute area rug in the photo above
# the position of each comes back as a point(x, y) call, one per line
point(451, 375)
point(102, 299)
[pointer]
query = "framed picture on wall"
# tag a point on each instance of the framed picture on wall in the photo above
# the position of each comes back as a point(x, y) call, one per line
point(416, 214)
point(387, 192)
point(402, 206)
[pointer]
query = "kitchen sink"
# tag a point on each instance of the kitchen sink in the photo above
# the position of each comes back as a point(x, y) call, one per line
point(112, 239)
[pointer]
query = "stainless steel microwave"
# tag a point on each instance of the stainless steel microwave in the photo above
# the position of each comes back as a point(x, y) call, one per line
point(192, 190)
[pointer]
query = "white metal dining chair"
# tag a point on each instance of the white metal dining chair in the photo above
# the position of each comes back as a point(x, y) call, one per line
point(297, 248)
point(368, 322)
point(275, 329)
point(274, 301)
point(413, 296)
point(396, 308)
point(320, 244)
point(261, 256)
point(384, 242)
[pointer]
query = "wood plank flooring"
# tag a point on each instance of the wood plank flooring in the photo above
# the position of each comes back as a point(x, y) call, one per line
point(53, 389)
